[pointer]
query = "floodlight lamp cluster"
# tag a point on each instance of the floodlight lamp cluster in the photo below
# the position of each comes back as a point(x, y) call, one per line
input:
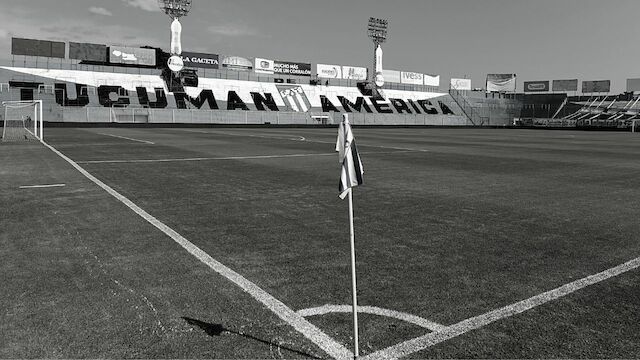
point(377, 30)
point(175, 8)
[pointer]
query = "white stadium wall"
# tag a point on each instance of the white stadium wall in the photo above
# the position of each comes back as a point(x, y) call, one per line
point(73, 94)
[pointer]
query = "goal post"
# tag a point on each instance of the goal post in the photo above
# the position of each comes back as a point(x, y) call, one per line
point(23, 121)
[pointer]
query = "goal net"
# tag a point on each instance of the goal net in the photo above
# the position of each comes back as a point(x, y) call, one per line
point(22, 120)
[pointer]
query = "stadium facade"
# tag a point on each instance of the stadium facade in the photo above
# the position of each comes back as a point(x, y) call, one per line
point(94, 83)
point(100, 84)
point(65, 90)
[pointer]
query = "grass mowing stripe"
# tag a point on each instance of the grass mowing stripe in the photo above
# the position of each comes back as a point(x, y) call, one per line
point(228, 158)
point(303, 139)
point(200, 159)
point(420, 343)
point(310, 331)
point(293, 138)
point(128, 138)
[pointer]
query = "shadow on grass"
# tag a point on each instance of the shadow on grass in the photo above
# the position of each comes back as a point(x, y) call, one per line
point(219, 329)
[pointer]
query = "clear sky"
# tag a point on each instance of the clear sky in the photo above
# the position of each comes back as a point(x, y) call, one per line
point(536, 39)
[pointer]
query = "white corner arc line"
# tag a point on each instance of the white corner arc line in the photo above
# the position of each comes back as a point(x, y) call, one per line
point(42, 186)
point(128, 138)
point(310, 331)
point(420, 343)
point(413, 319)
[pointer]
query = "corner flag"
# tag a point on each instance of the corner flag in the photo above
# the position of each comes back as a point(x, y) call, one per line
point(351, 173)
point(350, 176)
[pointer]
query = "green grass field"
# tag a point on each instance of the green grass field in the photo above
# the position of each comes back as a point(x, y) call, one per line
point(450, 224)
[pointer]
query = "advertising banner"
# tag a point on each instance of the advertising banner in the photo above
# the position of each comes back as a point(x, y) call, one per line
point(32, 47)
point(292, 68)
point(58, 49)
point(27, 47)
point(329, 71)
point(633, 85)
point(86, 51)
point(391, 76)
point(501, 82)
point(431, 80)
point(354, 73)
point(200, 60)
point(598, 86)
point(408, 77)
point(536, 86)
point(565, 85)
point(264, 66)
point(236, 63)
point(132, 56)
point(461, 84)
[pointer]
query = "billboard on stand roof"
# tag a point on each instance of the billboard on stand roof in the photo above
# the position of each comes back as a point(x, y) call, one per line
point(460, 84)
point(501, 82)
point(87, 51)
point(354, 73)
point(408, 77)
point(432, 80)
point(132, 56)
point(264, 66)
point(326, 71)
point(292, 68)
point(33, 47)
point(536, 86)
point(200, 60)
point(596, 86)
point(392, 76)
point(633, 85)
point(565, 85)
point(236, 63)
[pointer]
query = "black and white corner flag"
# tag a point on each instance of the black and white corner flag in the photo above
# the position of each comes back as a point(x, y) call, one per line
point(351, 172)
point(350, 176)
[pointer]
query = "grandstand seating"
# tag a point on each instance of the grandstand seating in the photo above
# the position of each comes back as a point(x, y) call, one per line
point(541, 105)
point(607, 112)
point(490, 109)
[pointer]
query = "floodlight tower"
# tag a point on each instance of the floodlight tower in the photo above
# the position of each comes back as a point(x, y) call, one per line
point(175, 9)
point(377, 32)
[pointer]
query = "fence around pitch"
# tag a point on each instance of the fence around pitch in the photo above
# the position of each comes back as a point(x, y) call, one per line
point(240, 117)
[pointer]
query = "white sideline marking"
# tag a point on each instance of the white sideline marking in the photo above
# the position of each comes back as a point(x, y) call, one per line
point(420, 343)
point(226, 158)
point(128, 138)
point(310, 331)
point(413, 319)
point(41, 186)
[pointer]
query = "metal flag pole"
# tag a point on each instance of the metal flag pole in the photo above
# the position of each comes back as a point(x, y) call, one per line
point(353, 277)
point(350, 176)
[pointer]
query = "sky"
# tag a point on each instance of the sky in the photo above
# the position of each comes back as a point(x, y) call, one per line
point(535, 39)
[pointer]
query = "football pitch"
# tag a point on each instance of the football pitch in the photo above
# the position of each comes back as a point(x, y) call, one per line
point(233, 243)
